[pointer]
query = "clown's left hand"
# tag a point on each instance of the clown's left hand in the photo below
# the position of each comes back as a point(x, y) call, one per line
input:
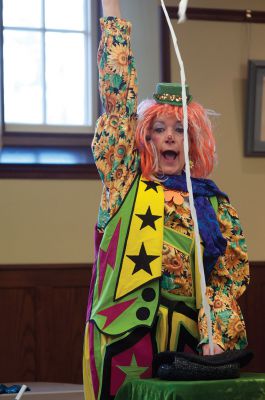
point(216, 349)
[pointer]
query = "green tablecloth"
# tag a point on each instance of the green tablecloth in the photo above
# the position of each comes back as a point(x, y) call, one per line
point(250, 386)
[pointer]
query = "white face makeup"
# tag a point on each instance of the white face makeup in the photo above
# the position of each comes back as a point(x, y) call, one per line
point(167, 136)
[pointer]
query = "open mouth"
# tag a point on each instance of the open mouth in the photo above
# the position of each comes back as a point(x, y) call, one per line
point(170, 155)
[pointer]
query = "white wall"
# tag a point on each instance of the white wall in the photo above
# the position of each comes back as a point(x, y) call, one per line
point(144, 15)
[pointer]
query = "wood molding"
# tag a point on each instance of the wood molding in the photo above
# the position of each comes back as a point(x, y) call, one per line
point(219, 14)
point(38, 162)
point(38, 267)
point(257, 264)
point(48, 171)
point(37, 139)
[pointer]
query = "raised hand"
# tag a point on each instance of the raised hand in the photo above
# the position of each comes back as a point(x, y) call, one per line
point(111, 8)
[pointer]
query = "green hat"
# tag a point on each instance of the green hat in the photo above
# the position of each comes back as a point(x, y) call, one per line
point(170, 93)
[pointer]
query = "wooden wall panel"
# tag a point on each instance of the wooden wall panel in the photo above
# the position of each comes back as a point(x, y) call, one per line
point(17, 330)
point(253, 308)
point(67, 303)
point(43, 308)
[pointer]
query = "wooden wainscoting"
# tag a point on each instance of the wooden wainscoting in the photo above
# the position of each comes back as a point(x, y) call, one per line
point(42, 311)
point(253, 307)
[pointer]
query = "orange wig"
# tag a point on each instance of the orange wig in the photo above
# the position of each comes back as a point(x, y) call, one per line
point(201, 139)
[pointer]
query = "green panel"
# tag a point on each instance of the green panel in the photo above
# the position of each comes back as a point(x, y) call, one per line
point(181, 242)
point(120, 324)
point(214, 203)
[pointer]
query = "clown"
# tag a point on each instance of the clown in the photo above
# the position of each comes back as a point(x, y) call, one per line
point(144, 292)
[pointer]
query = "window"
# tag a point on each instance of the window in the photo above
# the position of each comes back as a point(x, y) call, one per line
point(49, 68)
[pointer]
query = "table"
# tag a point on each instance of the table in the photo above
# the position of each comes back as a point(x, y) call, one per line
point(250, 386)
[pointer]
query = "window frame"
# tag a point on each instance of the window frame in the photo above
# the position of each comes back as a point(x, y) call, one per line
point(35, 142)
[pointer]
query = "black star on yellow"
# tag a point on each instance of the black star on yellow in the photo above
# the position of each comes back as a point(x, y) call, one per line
point(148, 219)
point(142, 261)
point(151, 185)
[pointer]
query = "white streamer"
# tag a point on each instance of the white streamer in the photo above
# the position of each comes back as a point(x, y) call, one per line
point(188, 179)
point(182, 11)
point(21, 392)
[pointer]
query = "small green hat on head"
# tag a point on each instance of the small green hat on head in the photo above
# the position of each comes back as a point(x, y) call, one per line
point(170, 93)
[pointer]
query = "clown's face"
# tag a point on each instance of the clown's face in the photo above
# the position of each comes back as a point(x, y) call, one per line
point(167, 135)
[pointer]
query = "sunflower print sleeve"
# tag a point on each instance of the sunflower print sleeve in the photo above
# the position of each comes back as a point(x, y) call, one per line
point(113, 144)
point(227, 283)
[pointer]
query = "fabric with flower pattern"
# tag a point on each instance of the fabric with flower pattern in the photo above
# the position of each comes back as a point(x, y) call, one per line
point(118, 163)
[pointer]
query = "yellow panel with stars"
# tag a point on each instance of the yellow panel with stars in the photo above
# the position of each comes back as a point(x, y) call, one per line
point(142, 259)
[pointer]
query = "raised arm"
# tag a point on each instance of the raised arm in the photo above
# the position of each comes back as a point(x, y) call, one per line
point(113, 145)
point(111, 8)
point(116, 64)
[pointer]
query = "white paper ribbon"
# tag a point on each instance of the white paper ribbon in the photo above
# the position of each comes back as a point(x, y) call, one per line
point(182, 11)
point(21, 392)
point(183, 5)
